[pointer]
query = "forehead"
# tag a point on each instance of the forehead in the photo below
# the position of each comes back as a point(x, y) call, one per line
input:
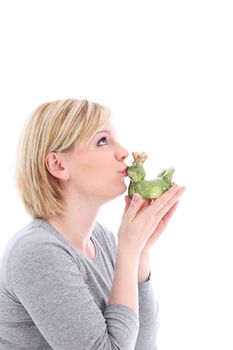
point(109, 128)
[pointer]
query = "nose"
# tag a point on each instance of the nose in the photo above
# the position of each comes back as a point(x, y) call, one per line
point(121, 153)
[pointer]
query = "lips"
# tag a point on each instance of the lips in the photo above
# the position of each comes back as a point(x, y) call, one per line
point(124, 171)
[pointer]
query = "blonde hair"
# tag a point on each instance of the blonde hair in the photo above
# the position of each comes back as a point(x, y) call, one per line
point(57, 126)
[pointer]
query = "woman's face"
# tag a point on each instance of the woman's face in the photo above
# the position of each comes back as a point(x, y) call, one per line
point(98, 170)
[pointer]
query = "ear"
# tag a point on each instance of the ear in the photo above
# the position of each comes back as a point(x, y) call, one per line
point(55, 166)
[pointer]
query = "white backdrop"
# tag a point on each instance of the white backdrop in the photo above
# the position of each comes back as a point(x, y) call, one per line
point(165, 70)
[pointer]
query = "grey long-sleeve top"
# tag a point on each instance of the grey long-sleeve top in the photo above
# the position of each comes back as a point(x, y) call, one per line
point(53, 297)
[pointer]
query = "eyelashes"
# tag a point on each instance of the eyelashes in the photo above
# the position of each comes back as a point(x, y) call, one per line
point(102, 142)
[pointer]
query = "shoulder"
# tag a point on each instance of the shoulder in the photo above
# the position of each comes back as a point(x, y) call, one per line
point(37, 236)
point(33, 249)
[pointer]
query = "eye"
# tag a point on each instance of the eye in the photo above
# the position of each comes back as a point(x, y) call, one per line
point(102, 141)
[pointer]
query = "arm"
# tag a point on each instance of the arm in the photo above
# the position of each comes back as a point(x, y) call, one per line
point(144, 267)
point(124, 289)
point(134, 238)
point(48, 282)
point(129, 270)
point(148, 307)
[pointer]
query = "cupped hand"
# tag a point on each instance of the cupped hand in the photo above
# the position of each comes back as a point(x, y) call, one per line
point(143, 221)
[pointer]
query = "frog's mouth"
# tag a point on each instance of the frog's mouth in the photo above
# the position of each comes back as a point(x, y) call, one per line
point(129, 173)
point(132, 175)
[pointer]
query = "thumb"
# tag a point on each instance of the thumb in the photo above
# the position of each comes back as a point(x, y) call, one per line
point(134, 206)
point(127, 203)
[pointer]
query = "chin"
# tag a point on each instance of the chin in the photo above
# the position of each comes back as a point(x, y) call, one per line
point(121, 191)
point(113, 190)
point(116, 194)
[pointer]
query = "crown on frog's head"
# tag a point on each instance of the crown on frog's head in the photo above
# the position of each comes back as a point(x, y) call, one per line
point(139, 158)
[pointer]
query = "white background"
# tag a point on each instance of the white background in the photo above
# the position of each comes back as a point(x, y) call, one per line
point(165, 68)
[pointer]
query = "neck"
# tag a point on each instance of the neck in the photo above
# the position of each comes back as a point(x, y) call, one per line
point(77, 223)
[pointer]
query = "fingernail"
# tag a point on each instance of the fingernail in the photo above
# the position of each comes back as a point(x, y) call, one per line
point(136, 197)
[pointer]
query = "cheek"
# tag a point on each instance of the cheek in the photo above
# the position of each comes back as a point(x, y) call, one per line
point(97, 168)
point(93, 170)
point(99, 178)
point(90, 174)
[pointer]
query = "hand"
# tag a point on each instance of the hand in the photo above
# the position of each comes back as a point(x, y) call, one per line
point(161, 225)
point(169, 202)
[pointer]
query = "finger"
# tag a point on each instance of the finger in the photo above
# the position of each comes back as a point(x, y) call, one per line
point(172, 201)
point(167, 198)
point(170, 213)
point(134, 206)
point(127, 202)
point(144, 203)
point(164, 221)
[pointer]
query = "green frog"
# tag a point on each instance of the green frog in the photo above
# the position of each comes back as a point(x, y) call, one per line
point(148, 189)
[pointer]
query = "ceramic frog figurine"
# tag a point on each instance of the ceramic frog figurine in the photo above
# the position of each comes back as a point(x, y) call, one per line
point(148, 189)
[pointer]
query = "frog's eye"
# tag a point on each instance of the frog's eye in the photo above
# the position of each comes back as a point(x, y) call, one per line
point(134, 165)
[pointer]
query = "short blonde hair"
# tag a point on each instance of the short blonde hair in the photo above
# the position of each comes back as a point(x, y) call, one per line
point(57, 126)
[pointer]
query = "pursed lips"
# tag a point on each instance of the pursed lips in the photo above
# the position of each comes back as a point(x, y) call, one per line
point(124, 171)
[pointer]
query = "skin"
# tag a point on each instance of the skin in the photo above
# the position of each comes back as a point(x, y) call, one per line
point(85, 193)
point(142, 221)
point(142, 225)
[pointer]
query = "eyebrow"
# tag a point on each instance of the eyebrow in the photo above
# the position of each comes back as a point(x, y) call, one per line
point(107, 131)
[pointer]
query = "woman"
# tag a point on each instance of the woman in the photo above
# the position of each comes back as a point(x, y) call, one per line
point(64, 284)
